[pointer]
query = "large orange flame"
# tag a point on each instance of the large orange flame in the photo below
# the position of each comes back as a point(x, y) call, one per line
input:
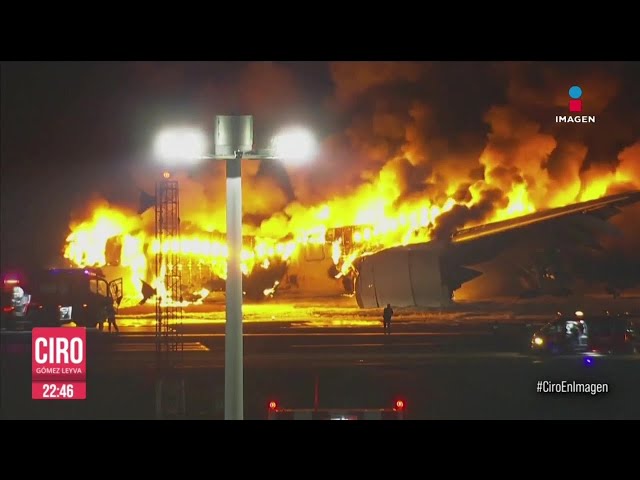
point(371, 210)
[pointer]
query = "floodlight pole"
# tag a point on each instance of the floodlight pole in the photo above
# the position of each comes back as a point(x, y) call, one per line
point(233, 350)
point(233, 142)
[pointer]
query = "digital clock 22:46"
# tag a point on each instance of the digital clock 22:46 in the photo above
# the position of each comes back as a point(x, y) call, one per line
point(59, 390)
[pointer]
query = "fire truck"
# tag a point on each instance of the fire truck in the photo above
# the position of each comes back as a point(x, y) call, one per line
point(57, 297)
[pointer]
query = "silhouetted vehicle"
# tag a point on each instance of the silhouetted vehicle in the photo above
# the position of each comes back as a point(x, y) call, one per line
point(580, 333)
point(6, 314)
point(59, 296)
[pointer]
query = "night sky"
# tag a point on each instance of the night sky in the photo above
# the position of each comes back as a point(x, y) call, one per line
point(71, 130)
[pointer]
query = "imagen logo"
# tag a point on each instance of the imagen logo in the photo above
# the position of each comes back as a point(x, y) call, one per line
point(575, 106)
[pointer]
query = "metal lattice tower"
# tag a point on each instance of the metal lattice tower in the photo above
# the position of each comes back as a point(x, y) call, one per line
point(169, 343)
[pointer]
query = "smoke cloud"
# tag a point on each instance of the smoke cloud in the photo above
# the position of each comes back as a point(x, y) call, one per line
point(402, 134)
point(461, 215)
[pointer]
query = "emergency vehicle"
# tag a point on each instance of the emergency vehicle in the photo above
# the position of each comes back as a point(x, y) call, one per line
point(582, 333)
point(56, 297)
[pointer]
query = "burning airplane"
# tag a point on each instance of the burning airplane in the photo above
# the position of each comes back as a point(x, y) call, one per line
point(422, 264)
point(428, 274)
point(407, 196)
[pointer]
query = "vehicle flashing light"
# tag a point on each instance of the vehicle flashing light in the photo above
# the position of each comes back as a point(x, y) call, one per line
point(588, 361)
point(272, 405)
point(538, 341)
point(400, 404)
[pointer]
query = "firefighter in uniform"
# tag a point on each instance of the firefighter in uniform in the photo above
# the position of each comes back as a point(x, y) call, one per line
point(111, 316)
point(386, 318)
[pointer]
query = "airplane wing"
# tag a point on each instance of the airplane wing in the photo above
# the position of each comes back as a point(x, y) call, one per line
point(579, 225)
point(594, 212)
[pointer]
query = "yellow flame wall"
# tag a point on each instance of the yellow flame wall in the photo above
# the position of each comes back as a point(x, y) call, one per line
point(402, 168)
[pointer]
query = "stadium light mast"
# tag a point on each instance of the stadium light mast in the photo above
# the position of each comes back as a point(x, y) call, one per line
point(233, 143)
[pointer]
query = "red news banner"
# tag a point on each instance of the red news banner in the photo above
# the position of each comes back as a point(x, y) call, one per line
point(59, 364)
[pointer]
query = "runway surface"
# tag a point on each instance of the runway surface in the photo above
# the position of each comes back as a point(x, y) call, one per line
point(202, 345)
point(472, 370)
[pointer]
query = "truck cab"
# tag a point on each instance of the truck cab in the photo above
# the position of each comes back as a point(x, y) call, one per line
point(60, 296)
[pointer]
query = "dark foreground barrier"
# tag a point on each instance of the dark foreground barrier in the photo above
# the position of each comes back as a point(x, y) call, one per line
point(396, 413)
